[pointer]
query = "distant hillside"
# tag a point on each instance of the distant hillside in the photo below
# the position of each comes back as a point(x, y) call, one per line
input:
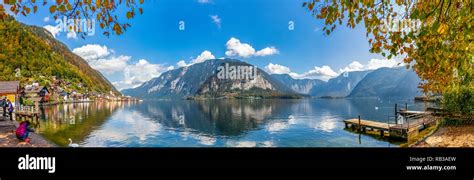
point(200, 80)
point(39, 56)
point(388, 82)
point(303, 86)
point(340, 86)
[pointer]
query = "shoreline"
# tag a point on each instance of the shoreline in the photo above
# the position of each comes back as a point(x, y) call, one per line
point(448, 136)
point(9, 139)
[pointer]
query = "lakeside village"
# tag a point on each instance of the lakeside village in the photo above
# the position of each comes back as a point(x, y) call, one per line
point(30, 96)
point(26, 100)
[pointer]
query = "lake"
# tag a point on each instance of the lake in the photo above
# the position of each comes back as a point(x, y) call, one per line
point(218, 123)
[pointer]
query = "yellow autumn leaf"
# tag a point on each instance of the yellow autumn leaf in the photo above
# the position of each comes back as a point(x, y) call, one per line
point(442, 28)
point(52, 9)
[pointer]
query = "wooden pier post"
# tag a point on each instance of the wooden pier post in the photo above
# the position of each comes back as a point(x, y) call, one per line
point(359, 124)
point(396, 112)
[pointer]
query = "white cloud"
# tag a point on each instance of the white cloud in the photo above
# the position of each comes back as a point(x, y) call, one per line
point(379, 63)
point(110, 65)
point(46, 19)
point(205, 55)
point(92, 51)
point(371, 65)
point(181, 63)
point(129, 74)
point(353, 66)
point(267, 51)
point(324, 73)
point(216, 20)
point(136, 74)
point(54, 30)
point(236, 48)
point(244, 50)
point(277, 69)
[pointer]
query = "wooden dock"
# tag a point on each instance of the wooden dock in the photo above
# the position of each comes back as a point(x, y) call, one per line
point(401, 131)
point(367, 125)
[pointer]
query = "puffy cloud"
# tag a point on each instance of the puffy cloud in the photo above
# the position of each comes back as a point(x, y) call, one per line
point(205, 55)
point(267, 51)
point(216, 20)
point(140, 72)
point(111, 64)
point(92, 51)
point(379, 63)
point(324, 73)
point(371, 65)
point(244, 50)
point(277, 69)
point(54, 30)
point(236, 48)
point(353, 66)
point(46, 19)
point(129, 74)
point(181, 63)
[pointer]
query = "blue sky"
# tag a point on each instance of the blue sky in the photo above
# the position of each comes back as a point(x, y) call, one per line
point(220, 28)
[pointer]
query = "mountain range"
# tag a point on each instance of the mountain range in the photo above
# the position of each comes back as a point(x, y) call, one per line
point(388, 82)
point(201, 80)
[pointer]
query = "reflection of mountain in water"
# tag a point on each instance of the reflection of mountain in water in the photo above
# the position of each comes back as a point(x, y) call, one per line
point(75, 121)
point(236, 117)
point(217, 117)
point(213, 122)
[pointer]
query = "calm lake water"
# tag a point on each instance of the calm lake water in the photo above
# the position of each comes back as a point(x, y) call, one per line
point(217, 123)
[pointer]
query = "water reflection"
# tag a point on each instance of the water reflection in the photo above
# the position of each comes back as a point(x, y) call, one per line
point(236, 123)
point(61, 122)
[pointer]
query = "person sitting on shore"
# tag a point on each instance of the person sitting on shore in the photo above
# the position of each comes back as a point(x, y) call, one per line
point(10, 109)
point(23, 131)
